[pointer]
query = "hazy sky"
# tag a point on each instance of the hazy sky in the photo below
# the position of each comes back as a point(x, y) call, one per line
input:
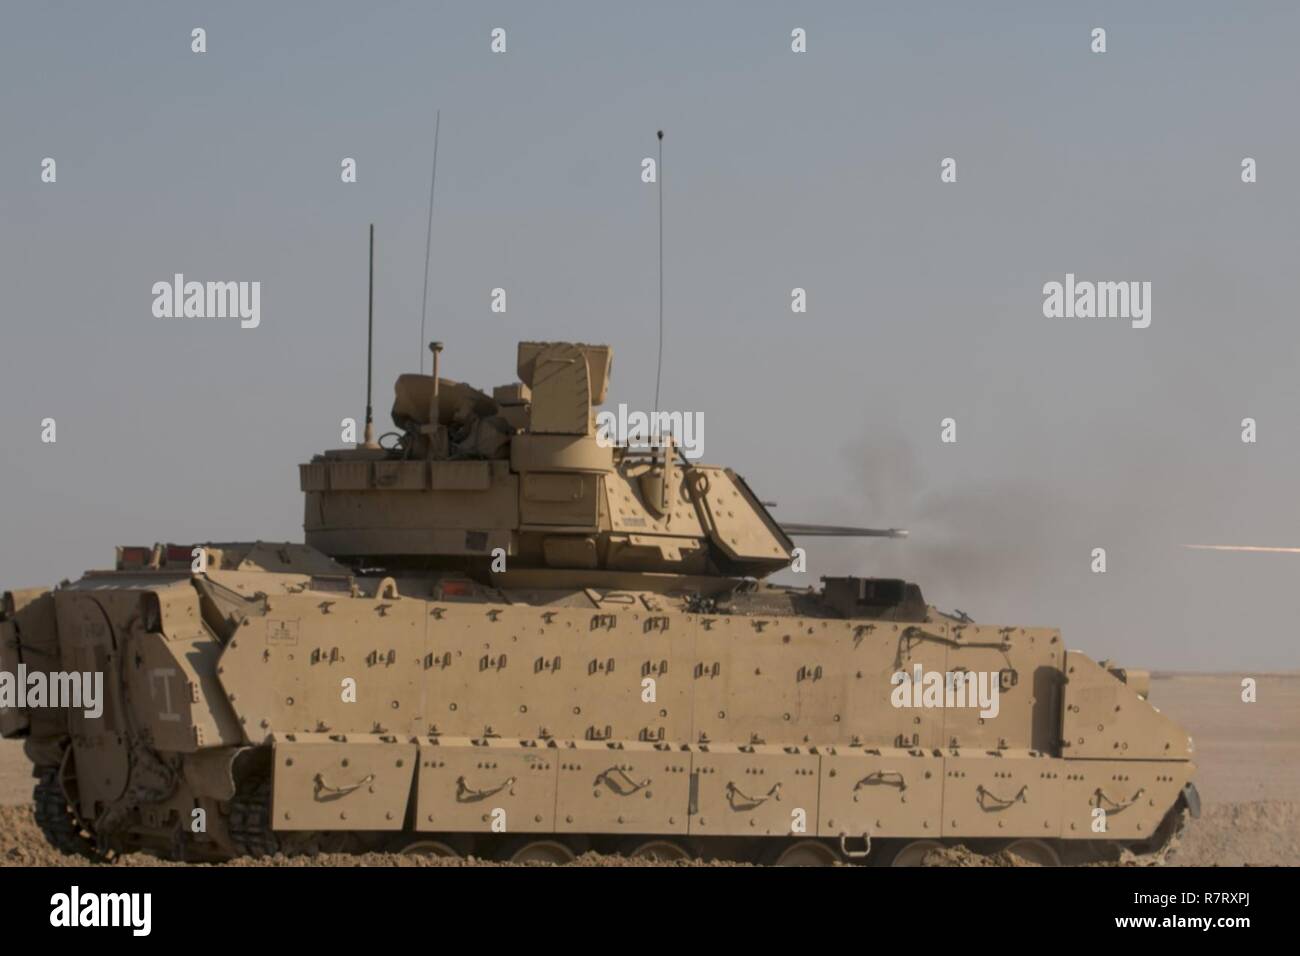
point(817, 170)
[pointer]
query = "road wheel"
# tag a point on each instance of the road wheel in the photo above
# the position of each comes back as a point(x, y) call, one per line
point(913, 854)
point(542, 851)
point(1033, 852)
point(423, 846)
point(660, 851)
point(806, 853)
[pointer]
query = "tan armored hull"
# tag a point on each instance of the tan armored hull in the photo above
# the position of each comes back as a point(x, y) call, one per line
point(406, 709)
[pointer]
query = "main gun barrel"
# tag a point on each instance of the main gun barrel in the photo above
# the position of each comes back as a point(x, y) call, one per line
point(839, 531)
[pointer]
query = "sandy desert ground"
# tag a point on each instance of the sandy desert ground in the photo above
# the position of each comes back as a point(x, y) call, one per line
point(1248, 755)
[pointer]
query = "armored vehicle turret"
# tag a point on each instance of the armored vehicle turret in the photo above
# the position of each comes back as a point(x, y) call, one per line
point(531, 479)
point(514, 632)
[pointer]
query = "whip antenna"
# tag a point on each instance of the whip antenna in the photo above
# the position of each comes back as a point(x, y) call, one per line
point(428, 238)
point(370, 346)
point(659, 178)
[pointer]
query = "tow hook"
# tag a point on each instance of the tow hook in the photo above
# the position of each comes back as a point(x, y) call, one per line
point(865, 840)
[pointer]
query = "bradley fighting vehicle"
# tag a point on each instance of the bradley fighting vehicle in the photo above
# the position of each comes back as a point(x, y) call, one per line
point(504, 636)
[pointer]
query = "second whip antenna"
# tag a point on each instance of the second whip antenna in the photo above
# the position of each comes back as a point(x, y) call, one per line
point(428, 236)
